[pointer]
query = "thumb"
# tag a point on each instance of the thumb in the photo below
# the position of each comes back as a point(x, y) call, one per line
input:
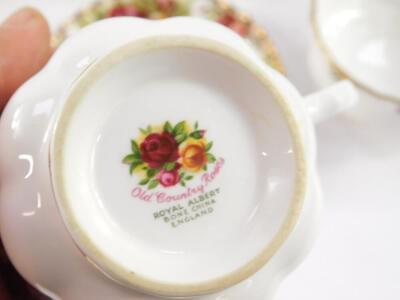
point(24, 50)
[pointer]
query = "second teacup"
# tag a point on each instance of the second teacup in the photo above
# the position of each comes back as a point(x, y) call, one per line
point(360, 41)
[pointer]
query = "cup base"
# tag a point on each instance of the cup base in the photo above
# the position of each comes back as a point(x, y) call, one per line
point(175, 167)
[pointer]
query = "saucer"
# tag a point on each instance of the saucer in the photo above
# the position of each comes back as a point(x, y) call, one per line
point(361, 39)
point(216, 10)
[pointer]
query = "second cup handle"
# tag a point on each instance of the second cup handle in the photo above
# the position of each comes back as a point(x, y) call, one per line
point(330, 101)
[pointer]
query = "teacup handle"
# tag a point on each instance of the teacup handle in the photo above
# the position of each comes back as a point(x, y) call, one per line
point(330, 101)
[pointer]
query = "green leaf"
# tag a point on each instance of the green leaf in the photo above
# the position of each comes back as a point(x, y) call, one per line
point(209, 146)
point(168, 127)
point(181, 138)
point(196, 125)
point(134, 164)
point(183, 183)
point(144, 181)
point(129, 159)
point(143, 131)
point(182, 175)
point(189, 177)
point(152, 172)
point(181, 9)
point(179, 128)
point(211, 158)
point(135, 147)
point(205, 168)
point(153, 184)
point(196, 134)
point(146, 131)
point(100, 15)
point(144, 6)
point(169, 166)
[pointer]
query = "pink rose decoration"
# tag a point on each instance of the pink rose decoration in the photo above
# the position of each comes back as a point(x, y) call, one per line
point(169, 178)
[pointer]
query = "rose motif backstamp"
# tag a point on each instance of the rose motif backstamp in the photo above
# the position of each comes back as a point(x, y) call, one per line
point(166, 155)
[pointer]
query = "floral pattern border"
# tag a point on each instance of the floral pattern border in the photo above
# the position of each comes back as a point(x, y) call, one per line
point(216, 10)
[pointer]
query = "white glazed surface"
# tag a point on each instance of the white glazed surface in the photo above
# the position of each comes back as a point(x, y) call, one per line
point(362, 38)
point(362, 144)
point(54, 264)
point(198, 88)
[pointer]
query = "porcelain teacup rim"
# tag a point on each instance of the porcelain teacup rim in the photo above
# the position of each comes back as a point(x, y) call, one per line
point(339, 69)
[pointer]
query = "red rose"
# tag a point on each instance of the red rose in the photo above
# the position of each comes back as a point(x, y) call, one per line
point(227, 20)
point(158, 149)
point(126, 11)
point(166, 5)
point(234, 24)
point(169, 178)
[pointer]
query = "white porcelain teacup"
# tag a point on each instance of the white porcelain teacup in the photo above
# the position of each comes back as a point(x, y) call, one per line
point(181, 165)
point(360, 41)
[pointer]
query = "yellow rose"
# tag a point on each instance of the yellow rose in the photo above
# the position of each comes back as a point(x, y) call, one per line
point(194, 156)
